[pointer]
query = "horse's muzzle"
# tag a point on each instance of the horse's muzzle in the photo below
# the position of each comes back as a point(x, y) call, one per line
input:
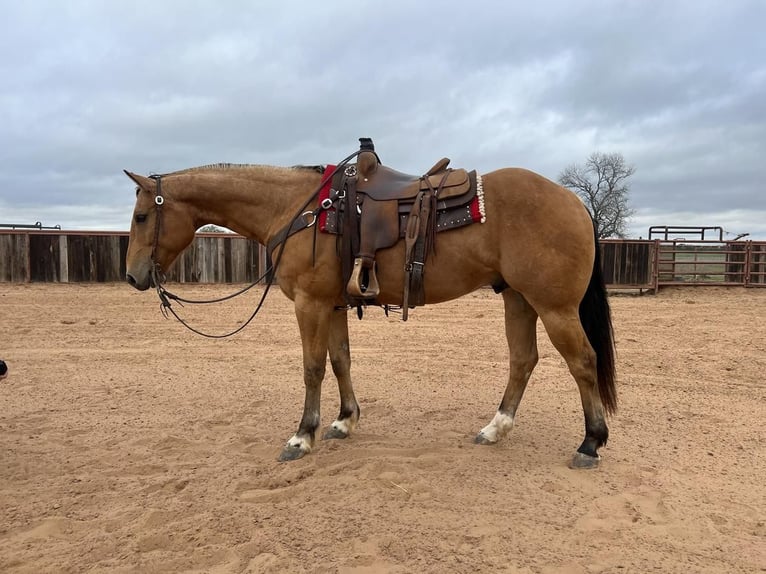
point(140, 285)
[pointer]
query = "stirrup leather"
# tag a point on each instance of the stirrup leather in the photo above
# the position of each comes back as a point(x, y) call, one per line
point(364, 281)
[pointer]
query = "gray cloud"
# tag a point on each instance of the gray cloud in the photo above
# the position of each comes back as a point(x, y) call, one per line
point(92, 88)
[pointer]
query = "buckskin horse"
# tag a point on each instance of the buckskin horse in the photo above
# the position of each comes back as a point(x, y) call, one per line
point(536, 246)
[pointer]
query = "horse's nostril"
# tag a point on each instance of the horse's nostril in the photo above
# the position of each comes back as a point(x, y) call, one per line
point(133, 281)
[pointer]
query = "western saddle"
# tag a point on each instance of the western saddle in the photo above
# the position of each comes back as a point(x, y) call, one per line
point(382, 205)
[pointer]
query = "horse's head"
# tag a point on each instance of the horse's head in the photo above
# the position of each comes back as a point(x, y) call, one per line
point(160, 229)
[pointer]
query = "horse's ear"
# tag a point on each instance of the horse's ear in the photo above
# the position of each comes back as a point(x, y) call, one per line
point(141, 181)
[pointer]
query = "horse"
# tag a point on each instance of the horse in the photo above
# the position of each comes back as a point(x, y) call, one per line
point(537, 248)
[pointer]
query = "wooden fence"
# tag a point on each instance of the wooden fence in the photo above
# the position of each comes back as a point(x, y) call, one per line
point(628, 263)
point(67, 256)
point(83, 256)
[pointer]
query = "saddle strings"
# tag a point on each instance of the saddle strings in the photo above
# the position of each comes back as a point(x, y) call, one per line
point(166, 296)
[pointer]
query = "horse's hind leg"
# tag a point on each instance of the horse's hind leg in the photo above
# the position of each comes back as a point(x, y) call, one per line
point(520, 330)
point(340, 359)
point(565, 331)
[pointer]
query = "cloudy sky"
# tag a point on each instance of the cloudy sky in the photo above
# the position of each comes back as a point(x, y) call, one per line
point(90, 88)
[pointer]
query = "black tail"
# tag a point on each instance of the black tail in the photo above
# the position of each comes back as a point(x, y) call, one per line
point(596, 319)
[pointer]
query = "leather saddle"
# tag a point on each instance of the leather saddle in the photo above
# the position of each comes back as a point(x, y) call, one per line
point(382, 183)
point(391, 204)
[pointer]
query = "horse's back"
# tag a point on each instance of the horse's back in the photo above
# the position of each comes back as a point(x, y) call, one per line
point(526, 203)
point(532, 194)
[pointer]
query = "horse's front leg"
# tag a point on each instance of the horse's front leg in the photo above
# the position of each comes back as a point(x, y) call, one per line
point(314, 318)
point(340, 359)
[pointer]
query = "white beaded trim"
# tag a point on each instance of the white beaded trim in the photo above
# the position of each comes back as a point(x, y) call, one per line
point(480, 195)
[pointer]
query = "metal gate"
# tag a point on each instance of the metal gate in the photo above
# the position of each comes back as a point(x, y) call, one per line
point(704, 257)
point(645, 264)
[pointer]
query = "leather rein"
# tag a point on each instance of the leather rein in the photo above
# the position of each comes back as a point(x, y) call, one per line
point(301, 220)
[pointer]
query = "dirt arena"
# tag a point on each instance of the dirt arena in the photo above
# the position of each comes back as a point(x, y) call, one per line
point(128, 444)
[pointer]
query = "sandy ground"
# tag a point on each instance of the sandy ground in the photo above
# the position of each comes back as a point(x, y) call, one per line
point(130, 445)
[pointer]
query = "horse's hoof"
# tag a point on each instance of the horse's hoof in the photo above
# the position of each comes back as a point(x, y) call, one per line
point(580, 460)
point(333, 432)
point(291, 452)
point(481, 438)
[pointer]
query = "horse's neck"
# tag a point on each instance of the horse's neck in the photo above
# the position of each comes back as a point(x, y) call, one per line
point(255, 202)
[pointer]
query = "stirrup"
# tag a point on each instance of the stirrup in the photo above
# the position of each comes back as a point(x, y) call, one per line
point(364, 281)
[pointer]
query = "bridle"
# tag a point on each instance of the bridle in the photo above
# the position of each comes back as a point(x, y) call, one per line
point(303, 219)
point(159, 201)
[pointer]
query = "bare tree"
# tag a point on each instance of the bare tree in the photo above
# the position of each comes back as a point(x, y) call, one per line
point(602, 185)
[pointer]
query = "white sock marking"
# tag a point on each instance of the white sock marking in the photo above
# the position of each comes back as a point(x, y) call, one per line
point(301, 443)
point(344, 426)
point(500, 426)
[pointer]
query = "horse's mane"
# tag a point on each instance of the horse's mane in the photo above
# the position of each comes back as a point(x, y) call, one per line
point(224, 166)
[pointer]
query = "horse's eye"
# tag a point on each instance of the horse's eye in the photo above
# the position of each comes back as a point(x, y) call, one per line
point(140, 218)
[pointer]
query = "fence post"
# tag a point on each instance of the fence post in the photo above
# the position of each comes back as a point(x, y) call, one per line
point(656, 266)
